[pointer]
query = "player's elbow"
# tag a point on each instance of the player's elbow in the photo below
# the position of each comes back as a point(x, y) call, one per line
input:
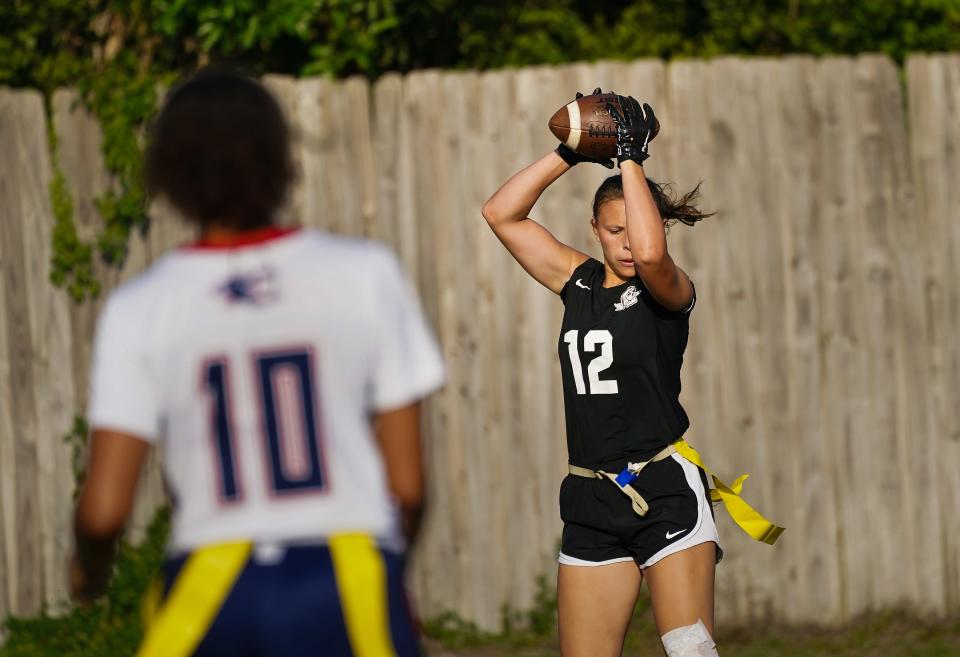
point(99, 527)
point(489, 212)
point(409, 494)
point(495, 215)
point(649, 258)
point(100, 519)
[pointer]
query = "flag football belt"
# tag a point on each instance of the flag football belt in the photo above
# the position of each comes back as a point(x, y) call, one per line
point(746, 517)
point(626, 476)
point(178, 624)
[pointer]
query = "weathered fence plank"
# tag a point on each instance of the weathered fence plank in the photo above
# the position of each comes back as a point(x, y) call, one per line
point(808, 507)
point(934, 100)
point(39, 348)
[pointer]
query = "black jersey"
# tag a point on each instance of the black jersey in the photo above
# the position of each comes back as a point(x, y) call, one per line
point(620, 356)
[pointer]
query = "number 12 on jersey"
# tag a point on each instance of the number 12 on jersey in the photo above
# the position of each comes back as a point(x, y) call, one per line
point(593, 339)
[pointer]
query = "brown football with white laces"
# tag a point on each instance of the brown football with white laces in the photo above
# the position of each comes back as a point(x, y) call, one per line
point(586, 127)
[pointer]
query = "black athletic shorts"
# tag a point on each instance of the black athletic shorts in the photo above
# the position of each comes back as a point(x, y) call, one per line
point(600, 526)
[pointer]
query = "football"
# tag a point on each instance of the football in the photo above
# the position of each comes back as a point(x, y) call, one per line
point(585, 126)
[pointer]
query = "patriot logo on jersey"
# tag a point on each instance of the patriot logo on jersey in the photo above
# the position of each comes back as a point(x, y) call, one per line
point(256, 288)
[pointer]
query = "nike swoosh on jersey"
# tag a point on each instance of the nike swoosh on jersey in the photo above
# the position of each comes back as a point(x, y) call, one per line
point(672, 534)
point(579, 284)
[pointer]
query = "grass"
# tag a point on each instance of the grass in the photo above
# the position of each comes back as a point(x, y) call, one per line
point(879, 635)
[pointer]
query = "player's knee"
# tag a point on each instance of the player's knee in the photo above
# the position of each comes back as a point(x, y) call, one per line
point(689, 641)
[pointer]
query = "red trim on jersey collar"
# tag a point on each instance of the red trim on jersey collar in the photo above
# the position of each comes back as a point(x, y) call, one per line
point(245, 238)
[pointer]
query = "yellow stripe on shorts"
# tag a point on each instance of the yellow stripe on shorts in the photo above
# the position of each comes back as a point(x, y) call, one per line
point(746, 517)
point(196, 597)
point(362, 582)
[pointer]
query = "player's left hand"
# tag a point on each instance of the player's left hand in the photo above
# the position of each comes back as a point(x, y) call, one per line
point(84, 588)
point(636, 127)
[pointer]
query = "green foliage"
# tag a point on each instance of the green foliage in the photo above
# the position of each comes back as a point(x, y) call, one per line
point(108, 628)
point(76, 440)
point(832, 26)
point(43, 44)
point(55, 43)
point(119, 51)
point(540, 619)
point(123, 98)
point(518, 628)
point(72, 261)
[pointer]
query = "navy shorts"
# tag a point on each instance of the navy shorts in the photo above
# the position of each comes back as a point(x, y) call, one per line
point(600, 526)
point(291, 601)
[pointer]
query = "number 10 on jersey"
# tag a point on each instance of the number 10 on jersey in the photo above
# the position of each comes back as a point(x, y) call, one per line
point(591, 341)
point(285, 383)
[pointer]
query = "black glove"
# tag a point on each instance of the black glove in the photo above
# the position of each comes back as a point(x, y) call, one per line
point(571, 157)
point(636, 127)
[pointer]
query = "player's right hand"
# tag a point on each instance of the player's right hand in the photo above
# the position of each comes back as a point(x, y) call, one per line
point(571, 157)
point(84, 588)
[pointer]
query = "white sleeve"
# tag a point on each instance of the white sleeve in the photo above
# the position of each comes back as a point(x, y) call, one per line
point(124, 393)
point(408, 365)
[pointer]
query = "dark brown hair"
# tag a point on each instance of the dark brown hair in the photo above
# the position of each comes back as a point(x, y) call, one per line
point(220, 151)
point(672, 209)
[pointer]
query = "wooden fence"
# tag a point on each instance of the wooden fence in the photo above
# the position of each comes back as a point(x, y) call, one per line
point(822, 355)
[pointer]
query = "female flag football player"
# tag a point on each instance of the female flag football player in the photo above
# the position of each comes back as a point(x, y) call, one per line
point(636, 504)
point(281, 370)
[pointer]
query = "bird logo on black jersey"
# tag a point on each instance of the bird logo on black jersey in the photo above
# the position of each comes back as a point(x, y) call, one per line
point(628, 298)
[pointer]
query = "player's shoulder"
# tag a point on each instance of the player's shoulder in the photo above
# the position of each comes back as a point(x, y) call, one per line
point(589, 268)
point(339, 247)
point(136, 304)
point(360, 254)
point(587, 275)
point(141, 292)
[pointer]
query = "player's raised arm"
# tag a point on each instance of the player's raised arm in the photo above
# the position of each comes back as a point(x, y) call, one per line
point(645, 226)
point(545, 258)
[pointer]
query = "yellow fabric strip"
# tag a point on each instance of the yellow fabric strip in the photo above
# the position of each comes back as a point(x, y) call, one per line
point(362, 582)
point(194, 601)
point(151, 601)
point(749, 520)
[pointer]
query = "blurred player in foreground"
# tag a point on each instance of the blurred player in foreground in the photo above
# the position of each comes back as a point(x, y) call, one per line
point(281, 371)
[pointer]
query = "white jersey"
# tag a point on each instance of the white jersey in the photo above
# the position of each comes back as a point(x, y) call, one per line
point(257, 368)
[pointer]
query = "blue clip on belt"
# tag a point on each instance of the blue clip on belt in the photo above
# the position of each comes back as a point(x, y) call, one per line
point(625, 477)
